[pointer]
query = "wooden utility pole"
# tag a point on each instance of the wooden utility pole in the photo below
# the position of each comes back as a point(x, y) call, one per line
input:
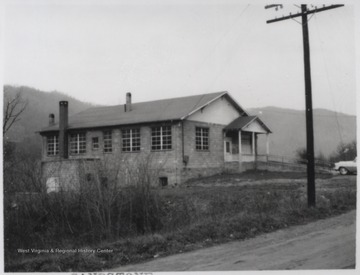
point(309, 113)
point(308, 97)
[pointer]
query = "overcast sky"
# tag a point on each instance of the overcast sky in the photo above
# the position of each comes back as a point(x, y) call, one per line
point(97, 51)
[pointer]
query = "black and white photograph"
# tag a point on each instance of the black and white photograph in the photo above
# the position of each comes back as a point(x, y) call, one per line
point(143, 137)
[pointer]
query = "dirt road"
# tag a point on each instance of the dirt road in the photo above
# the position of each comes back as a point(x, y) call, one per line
point(324, 244)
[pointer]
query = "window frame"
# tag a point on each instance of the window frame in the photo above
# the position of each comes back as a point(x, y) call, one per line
point(107, 149)
point(80, 142)
point(55, 145)
point(130, 140)
point(163, 136)
point(202, 138)
point(93, 143)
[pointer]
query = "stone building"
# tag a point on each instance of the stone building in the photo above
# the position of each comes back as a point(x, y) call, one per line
point(184, 137)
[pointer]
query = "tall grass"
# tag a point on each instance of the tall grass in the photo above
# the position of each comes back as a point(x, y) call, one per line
point(103, 209)
point(142, 222)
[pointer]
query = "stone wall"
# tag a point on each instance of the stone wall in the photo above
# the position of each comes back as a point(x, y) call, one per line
point(65, 174)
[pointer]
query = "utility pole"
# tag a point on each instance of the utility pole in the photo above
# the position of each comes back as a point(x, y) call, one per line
point(308, 97)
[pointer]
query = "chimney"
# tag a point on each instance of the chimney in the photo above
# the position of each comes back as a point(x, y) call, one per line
point(128, 102)
point(63, 124)
point(51, 119)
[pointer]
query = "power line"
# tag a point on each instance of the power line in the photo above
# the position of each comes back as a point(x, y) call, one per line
point(304, 13)
point(328, 80)
point(308, 93)
point(223, 68)
point(221, 38)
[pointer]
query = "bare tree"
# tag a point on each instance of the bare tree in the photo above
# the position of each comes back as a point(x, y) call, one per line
point(13, 108)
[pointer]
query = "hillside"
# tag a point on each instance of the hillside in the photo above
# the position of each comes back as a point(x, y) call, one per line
point(36, 115)
point(289, 130)
point(288, 126)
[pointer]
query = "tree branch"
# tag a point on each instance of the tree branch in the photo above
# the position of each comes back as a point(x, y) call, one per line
point(13, 109)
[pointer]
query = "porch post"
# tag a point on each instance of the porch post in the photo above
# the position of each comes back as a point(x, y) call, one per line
point(253, 144)
point(224, 141)
point(267, 145)
point(240, 154)
point(256, 144)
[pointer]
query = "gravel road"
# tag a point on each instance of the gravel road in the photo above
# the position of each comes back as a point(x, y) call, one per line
point(324, 244)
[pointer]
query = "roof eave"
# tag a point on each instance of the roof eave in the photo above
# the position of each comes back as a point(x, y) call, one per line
point(204, 105)
point(264, 125)
point(172, 120)
point(237, 105)
point(251, 121)
point(267, 129)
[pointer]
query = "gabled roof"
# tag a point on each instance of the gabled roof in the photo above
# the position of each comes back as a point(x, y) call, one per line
point(244, 121)
point(143, 112)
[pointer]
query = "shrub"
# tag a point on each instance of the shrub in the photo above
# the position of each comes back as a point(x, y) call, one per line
point(344, 151)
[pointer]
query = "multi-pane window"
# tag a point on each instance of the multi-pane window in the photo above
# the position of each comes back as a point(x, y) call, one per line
point(202, 138)
point(95, 143)
point(161, 138)
point(77, 143)
point(130, 140)
point(52, 145)
point(107, 141)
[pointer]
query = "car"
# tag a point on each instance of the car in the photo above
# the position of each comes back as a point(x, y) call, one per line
point(346, 167)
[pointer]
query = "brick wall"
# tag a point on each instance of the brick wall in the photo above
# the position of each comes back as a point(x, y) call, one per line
point(168, 163)
point(203, 163)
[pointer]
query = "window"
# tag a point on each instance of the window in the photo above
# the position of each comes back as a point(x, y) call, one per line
point(130, 140)
point(161, 138)
point(95, 143)
point(77, 143)
point(107, 142)
point(202, 138)
point(52, 145)
point(163, 181)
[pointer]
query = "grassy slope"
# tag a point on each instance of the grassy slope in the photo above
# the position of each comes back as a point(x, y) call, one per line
point(203, 215)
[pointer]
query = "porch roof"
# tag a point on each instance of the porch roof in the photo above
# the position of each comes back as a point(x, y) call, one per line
point(244, 122)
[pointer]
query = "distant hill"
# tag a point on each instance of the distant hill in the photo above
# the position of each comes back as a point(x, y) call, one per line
point(288, 126)
point(36, 114)
point(289, 130)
